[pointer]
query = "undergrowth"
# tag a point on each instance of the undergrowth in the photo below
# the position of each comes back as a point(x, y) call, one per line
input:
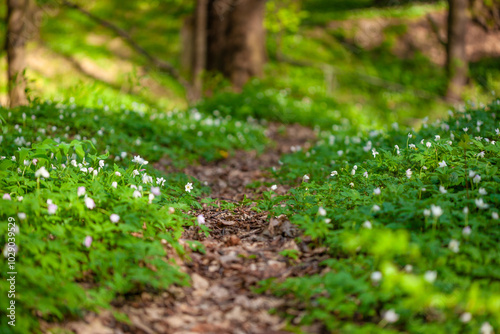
point(410, 221)
point(83, 217)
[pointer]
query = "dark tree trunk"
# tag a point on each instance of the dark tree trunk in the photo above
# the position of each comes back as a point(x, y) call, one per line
point(236, 39)
point(456, 58)
point(15, 47)
point(225, 36)
point(199, 48)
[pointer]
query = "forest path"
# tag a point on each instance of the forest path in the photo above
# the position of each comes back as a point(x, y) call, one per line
point(243, 248)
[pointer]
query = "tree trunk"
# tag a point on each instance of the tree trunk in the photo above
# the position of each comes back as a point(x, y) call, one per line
point(456, 58)
point(226, 36)
point(15, 46)
point(236, 39)
point(199, 49)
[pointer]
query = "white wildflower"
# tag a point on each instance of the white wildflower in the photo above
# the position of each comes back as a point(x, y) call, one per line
point(430, 276)
point(321, 211)
point(436, 210)
point(89, 203)
point(81, 191)
point(160, 181)
point(376, 276)
point(137, 159)
point(146, 178)
point(391, 316)
point(200, 219)
point(155, 191)
point(454, 246)
point(480, 203)
point(465, 317)
point(486, 328)
point(88, 241)
point(42, 172)
point(52, 208)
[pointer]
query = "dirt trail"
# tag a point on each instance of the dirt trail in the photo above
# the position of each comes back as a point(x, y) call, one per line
point(242, 249)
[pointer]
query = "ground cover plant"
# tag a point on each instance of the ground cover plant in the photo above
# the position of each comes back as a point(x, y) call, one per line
point(321, 179)
point(410, 221)
point(91, 216)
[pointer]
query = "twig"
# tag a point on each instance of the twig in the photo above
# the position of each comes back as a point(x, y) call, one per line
point(435, 28)
point(160, 64)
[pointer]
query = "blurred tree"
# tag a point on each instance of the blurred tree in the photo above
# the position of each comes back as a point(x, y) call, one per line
point(236, 39)
point(456, 58)
point(200, 49)
point(226, 36)
point(15, 46)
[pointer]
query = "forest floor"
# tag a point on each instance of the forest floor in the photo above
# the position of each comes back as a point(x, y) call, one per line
point(243, 248)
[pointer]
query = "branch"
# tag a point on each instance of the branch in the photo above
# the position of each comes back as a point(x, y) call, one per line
point(435, 28)
point(160, 64)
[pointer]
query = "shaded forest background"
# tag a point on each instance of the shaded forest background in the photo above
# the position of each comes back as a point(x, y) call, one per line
point(388, 58)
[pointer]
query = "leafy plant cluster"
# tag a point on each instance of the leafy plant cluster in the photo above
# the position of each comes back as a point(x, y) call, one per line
point(177, 135)
point(93, 219)
point(261, 100)
point(410, 221)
